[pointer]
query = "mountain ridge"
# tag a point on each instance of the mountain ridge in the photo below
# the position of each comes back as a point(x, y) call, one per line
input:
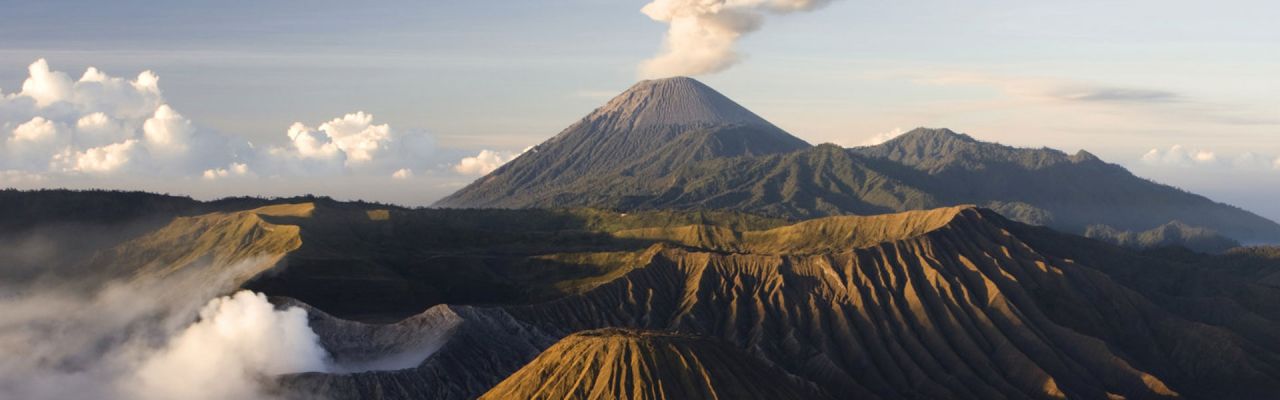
point(687, 147)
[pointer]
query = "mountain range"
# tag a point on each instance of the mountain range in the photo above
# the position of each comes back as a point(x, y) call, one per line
point(955, 302)
point(674, 245)
point(677, 144)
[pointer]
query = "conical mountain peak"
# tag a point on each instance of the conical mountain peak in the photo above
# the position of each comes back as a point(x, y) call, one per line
point(677, 101)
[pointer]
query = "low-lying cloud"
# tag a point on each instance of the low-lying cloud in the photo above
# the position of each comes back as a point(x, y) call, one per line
point(702, 34)
point(485, 162)
point(238, 341)
point(136, 340)
point(1183, 157)
point(882, 137)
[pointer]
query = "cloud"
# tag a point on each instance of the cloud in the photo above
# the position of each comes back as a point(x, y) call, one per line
point(1115, 94)
point(356, 136)
point(1052, 89)
point(238, 340)
point(402, 173)
point(1180, 156)
point(100, 124)
point(351, 143)
point(233, 170)
point(98, 160)
point(36, 130)
point(1255, 161)
point(882, 137)
point(167, 131)
point(75, 335)
point(701, 34)
point(485, 162)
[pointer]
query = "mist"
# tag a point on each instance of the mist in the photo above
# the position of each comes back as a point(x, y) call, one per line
point(136, 339)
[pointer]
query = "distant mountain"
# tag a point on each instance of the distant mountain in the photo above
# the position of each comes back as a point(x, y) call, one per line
point(1049, 187)
point(1175, 233)
point(652, 129)
point(677, 144)
point(643, 365)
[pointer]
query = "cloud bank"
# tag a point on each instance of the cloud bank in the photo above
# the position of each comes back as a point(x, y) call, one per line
point(1183, 157)
point(701, 34)
point(100, 129)
point(76, 337)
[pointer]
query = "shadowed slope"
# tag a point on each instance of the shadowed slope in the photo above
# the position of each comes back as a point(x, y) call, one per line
point(627, 364)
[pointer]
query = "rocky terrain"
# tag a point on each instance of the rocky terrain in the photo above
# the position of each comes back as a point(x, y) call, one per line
point(955, 302)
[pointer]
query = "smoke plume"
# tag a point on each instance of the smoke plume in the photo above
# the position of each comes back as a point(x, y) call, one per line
point(701, 34)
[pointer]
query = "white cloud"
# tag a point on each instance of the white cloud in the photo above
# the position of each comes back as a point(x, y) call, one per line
point(35, 130)
point(357, 136)
point(101, 124)
point(167, 132)
point(100, 160)
point(1179, 156)
point(353, 139)
point(402, 173)
point(46, 86)
point(309, 143)
point(484, 162)
point(233, 170)
point(701, 34)
point(97, 127)
point(238, 340)
point(882, 137)
point(136, 340)
point(101, 130)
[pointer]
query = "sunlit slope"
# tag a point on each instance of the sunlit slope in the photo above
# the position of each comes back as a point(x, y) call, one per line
point(640, 365)
point(235, 245)
point(965, 305)
point(821, 235)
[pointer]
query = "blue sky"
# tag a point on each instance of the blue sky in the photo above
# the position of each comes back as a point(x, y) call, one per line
point(1118, 79)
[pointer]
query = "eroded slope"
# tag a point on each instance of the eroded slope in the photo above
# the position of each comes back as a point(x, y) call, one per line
point(629, 364)
point(966, 309)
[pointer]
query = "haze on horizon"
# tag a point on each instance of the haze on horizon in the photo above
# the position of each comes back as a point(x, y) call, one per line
point(406, 102)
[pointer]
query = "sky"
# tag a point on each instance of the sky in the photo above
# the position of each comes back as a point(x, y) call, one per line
point(406, 101)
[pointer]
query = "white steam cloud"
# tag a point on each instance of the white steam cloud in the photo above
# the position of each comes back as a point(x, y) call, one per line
point(136, 340)
point(239, 340)
point(701, 34)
